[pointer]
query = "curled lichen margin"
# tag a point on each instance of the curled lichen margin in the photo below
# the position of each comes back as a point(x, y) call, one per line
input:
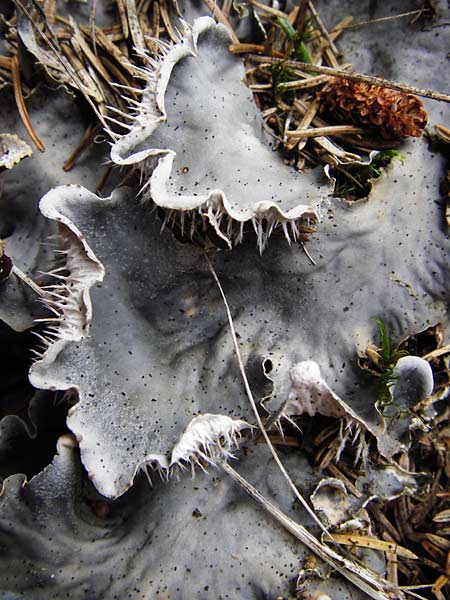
point(213, 208)
point(205, 438)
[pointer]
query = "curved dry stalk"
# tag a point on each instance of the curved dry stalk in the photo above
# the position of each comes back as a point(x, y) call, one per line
point(27, 280)
point(15, 73)
point(255, 410)
point(367, 581)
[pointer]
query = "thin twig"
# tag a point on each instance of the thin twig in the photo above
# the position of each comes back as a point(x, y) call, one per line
point(253, 404)
point(322, 28)
point(135, 28)
point(29, 282)
point(85, 142)
point(15, 72)
point(341, 28)
point(378, 81)
point(300, 134)
point(267, 9)
point(101, 182)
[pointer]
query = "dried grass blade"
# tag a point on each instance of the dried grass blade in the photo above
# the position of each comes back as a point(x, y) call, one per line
point(144, 23)
point(242, 48)
point(115, 71)
point(226, 7)
point(123, 18)
point(82, 73)
point(221, 18)
point(268, 10)
point(78, 40)
point(315, 132)
point(373, 543)
point(437, 352)
point(135, 29)
point(84, 143)
point(15, 71)
point(253, 404)
point(442, 517)
point(322, 28)
point(50, 12)
point(155, 20)
point(166, 21)
point(113, 50)
point(66, 67)
point(306, 121)
point(5, 62)
point(306, 83)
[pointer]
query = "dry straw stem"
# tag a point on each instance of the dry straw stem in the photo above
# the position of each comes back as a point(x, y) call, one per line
point(300, 134)
point(378, 81)
point(133, 22)
point(27, 280)
point(166, 20)
point(347, 22)
point(307, 83)
point(253, 404)
point(322, 28)
point(85, 142)
point(21, 105)
point(246, 48)
point(270, 11)
point(123, 18)
point(370, 583)
point(5, 62)
point(373, 543)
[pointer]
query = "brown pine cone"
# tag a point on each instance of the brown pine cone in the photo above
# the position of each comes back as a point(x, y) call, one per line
point(394, 114)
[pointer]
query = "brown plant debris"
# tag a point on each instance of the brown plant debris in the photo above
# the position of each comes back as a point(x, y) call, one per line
point(394, 114)
point(15, 71)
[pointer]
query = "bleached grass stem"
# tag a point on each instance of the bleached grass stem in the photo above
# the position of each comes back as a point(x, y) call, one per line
point(21, 275)
point(255, 410)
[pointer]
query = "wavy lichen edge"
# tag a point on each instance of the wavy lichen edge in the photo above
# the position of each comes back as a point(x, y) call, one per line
point(205, 438)
point(213, 208)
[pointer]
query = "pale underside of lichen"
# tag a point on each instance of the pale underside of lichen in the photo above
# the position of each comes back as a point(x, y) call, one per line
point(12, 150)
point(195, 222)
point(197, 138)
point(207, 437)
point(311, 395)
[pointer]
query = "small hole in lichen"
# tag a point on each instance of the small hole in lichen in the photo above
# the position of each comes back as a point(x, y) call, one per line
point(267, 366)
